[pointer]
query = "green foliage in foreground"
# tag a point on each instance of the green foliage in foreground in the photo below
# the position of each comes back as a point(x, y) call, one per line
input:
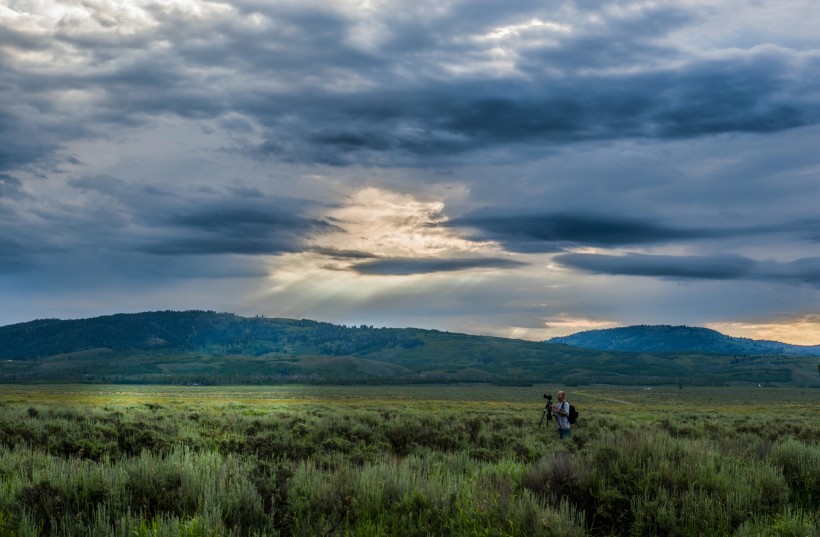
point(405, 462)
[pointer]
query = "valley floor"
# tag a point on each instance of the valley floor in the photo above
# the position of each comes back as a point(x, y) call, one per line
point(467, 459)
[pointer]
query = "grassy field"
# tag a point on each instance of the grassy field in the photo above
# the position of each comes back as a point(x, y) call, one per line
point(406, 460)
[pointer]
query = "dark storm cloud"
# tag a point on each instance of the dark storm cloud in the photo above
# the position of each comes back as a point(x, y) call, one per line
point(752, 94)
point(240, 226)
point(22, 141)
point(408, 266)
point(746, 94)
point(759, 90)
point(238, 220)
point(10, 187)
point(618, 78)
point(717, 267)
point(710, 97)
point(344, 254)
point(270, 244)
point(185, 221)
point(555, 232)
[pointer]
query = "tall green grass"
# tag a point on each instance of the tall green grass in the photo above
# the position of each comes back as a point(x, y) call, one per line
point(212, 463)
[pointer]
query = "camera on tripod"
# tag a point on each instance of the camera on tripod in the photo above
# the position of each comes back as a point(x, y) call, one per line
point(547, 408)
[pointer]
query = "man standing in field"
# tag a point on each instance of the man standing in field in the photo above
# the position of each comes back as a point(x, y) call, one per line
point(561, 411)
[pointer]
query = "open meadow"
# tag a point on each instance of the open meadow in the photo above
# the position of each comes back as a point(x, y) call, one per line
point(91, 460)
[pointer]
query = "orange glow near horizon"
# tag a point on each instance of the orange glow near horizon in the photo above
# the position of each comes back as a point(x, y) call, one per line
point(801, 331)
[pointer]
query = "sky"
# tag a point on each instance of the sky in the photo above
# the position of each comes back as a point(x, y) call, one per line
point(523, 169)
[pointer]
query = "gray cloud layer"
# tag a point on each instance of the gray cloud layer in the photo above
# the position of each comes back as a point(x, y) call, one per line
point(334, 99)
point(716, 267)
point(407, 266)
point(155, 142)
point(241, 228)
point(556, 232)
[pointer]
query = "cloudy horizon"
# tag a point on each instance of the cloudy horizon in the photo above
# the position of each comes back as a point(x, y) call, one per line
point(528, 170)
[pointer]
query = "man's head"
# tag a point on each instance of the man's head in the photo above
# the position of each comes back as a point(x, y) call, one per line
point(561, 396)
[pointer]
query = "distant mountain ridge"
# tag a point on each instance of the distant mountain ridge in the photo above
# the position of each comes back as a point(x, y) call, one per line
point(666, 338)
point(205, 332)
point(206, 347)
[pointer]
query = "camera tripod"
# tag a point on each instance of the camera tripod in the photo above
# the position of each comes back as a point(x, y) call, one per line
point(547, 412)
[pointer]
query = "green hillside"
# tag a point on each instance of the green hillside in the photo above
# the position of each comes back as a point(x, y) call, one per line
point(664, 338)
point(198, 347)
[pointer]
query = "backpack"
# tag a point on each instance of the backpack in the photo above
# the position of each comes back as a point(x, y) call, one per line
point(573, 415)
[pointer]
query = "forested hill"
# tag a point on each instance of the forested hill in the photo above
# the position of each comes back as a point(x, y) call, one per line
point(664, 338)
point(201, 347)
point(204, 332)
